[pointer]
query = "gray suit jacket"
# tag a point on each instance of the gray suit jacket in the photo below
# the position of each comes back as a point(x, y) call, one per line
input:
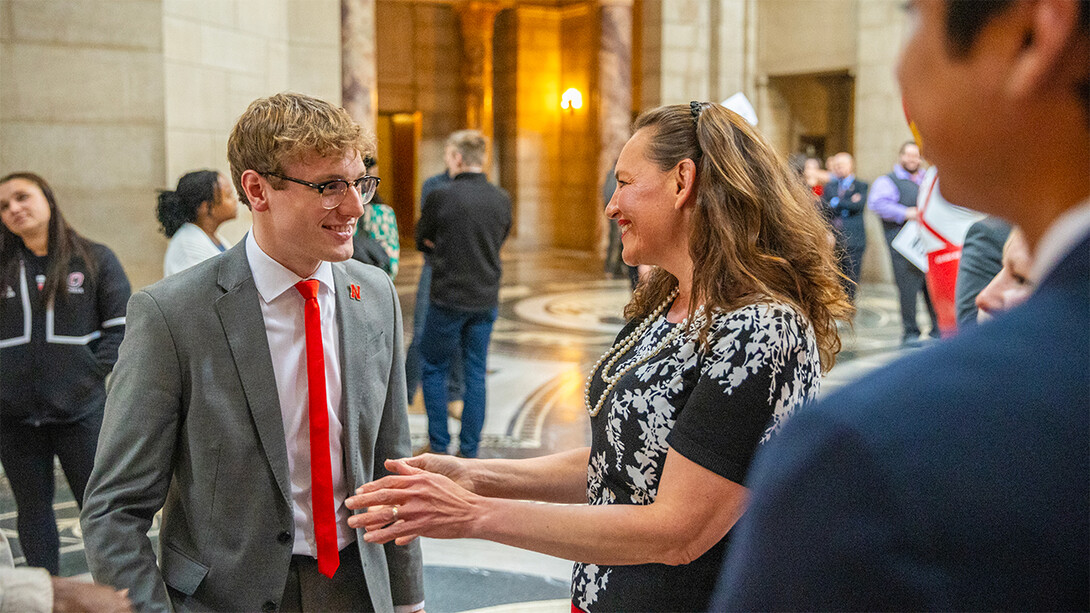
point(193, 426)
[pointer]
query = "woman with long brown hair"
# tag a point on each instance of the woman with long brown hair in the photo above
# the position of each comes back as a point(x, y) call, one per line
point(727, 337)
point(62, 317)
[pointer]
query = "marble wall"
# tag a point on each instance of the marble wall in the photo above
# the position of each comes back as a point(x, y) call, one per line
point(113, 101)
point(220, 55)
point(693, 50)
point(82, 104)
point(575, 216)
point(810, 68)
point(419, 49)
point(538, 121)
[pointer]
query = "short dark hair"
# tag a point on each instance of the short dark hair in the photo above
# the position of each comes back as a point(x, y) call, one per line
point(966, 18)
point(178, 207)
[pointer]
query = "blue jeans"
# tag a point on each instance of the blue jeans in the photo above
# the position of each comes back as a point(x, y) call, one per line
point(455, 384)
point(449, 333)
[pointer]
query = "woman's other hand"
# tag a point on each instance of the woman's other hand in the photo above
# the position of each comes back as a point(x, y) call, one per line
point(414, 502)
point(454, 468)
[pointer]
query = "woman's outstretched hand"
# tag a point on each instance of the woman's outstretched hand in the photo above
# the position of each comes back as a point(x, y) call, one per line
point(413, 502)
point(455, 468)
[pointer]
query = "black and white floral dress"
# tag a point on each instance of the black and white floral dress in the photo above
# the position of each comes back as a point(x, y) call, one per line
point(715, 407)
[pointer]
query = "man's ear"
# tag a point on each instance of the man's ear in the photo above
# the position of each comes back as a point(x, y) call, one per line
point(255, 189)
point(1053, 55)
point(684, 182)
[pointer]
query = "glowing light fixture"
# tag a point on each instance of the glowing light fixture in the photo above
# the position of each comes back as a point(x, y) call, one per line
point(571, 99)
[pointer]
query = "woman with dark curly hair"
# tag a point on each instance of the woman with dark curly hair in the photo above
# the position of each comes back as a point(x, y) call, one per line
point(727, 337)
point(62, 318)
point(190, 216)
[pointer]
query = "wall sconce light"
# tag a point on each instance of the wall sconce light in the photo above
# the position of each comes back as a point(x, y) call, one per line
point(571, 100)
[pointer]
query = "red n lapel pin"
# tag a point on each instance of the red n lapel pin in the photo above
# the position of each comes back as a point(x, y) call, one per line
point(354, 292)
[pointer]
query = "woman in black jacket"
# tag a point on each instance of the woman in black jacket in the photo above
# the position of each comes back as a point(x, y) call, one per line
point(62, 317)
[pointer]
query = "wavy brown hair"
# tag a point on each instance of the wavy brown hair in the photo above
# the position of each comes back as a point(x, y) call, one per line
point(756, 233)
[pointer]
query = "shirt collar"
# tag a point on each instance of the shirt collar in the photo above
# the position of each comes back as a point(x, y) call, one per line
point(1060, 238)
point(273, 279)
point(900, 172)
point(846, 181)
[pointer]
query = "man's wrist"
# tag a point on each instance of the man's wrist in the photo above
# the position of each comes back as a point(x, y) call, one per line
point(409, 608)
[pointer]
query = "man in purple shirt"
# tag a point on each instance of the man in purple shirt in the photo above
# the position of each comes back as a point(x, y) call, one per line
point(893, 198)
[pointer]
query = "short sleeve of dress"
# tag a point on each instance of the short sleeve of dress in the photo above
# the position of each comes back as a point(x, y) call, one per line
point(760, 366)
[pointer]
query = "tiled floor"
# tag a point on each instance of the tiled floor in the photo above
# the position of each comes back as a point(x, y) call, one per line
point(558, 313)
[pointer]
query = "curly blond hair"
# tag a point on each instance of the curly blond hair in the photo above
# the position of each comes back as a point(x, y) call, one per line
point(284, 128)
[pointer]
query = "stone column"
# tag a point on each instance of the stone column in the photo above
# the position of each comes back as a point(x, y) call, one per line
point(477, 18)
point(615, 90)
point(359, 73)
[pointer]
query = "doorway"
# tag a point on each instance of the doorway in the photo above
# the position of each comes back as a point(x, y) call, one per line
point(398, 140)
point(816, 112)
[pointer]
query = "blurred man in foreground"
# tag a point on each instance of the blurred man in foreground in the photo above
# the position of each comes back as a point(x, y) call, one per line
point(956, 479)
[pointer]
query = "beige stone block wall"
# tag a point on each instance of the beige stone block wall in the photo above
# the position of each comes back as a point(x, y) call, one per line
point(686, 51)
point(880, 126)
point(650, 77)
point(538, 120)
point(693, 50)
point(220, 55)
point(729, 51)
point(810, 36)
point(82, 105)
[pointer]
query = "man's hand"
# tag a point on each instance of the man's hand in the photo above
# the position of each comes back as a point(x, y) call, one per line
point(911, 213)
point(72, 596)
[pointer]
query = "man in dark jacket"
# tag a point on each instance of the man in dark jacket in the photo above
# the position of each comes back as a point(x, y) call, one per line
point(845, 197)
point(462, 226)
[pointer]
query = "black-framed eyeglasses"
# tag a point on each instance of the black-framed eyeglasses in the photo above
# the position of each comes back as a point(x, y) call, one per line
point(332, 193)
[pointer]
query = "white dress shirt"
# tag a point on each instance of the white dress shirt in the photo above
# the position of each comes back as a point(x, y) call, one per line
point(1065, 233)
point(282, 310)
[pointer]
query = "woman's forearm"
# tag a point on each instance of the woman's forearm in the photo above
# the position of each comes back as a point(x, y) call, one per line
point(560, 477)
point(599, 534)
point(694, 509)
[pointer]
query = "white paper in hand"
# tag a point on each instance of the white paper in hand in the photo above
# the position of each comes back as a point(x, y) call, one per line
point(908, 243)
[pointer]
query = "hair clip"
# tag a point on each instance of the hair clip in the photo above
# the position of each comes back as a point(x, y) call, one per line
point(695, 107)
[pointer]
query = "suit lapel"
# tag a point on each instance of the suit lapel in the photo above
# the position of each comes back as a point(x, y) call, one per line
point(354, 332)
point(239, 310)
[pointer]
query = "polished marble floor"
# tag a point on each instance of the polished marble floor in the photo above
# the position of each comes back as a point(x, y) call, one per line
point(558, 313)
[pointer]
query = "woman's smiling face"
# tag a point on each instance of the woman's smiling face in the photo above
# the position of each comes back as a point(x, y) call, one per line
point(645, 205)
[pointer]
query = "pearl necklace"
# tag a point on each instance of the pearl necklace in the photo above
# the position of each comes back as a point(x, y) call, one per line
point(614, 353)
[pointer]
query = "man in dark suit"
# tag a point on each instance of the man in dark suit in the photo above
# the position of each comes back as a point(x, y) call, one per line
point(845, 197)
point(956, 479)
point(981, 260)
point(462, 226)
point(255, 391)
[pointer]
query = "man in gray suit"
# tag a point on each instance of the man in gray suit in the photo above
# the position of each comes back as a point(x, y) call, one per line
point(231, 369)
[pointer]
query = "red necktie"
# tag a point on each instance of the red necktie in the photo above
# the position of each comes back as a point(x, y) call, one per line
point(321, 472)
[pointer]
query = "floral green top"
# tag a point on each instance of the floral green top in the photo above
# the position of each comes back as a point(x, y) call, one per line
point(381, 224)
